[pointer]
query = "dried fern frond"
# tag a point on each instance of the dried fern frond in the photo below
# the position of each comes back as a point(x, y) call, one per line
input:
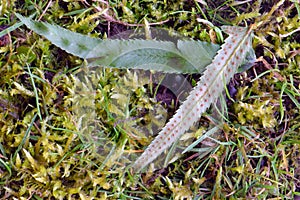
point(223, 67)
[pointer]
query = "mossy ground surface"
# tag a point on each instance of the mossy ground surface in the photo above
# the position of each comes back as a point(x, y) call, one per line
point(254, 155)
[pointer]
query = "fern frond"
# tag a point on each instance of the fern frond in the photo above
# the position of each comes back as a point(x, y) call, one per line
point(210, 86)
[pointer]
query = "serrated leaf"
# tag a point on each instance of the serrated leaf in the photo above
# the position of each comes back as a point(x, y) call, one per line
point(182, 57)
point(231, 55)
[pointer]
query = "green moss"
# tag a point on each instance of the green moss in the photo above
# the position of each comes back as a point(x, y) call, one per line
point(50, 158)
point(257, 114)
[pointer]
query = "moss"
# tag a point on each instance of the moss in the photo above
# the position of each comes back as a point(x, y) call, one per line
point(255, 155)
point(257, 114)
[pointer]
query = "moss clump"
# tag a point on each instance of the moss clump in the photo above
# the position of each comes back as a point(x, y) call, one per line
point(257, 114)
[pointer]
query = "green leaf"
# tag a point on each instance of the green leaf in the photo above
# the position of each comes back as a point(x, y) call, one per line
point(180, 57)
